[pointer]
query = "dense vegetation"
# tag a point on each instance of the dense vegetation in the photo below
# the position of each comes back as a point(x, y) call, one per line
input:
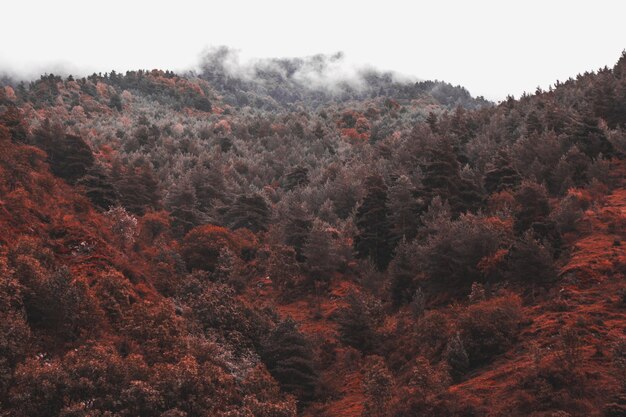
point(270, 243)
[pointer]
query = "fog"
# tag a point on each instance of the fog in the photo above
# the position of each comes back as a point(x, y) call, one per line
point(492, 48)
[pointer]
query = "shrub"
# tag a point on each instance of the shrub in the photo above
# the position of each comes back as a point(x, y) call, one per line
point(202, 245)
point(488, 328)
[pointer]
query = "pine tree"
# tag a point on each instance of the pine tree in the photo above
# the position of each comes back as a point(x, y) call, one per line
point(356, 327)
point(533, 206)
point(501, 175)
point(584, 132)
point(320, 254)
point(402, 274)
point(296, 177)
point(373, 239)
point(182, 203)
point(378, 387)
point(457, 357)
point(289, 358)
point(404, 209)
point(137, 188)
point(250, 212)
point(98, 187)
point(69, 156)
point(297, 224)
point(441, 175)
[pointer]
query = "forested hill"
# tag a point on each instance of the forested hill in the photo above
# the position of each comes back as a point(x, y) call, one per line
point(317, 81)
point(277, 239)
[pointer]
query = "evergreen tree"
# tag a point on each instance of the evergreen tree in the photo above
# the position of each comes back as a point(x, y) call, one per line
point(533, 206)
point(356, 327)
point(585, 132)
point(289, 358)
point(98, 187)
point(501, 175)
point(441, 175)
point(182, 203)
point(404, 209)
point(137, 188)
point(296, 177)
point(373, 239)
point(470, 196)
point(320, 252)
point(296, 227)
point(250, 212)
point(402, 272)
point(378, 387)
point(457, 357)
point(69, 156)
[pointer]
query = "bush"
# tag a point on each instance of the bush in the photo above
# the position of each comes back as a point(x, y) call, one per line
point(488, 328)
point(202, 245)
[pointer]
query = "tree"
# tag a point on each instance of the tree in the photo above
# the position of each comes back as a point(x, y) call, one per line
point(533, 205)
point(98, 187)
point(320, 252)
point(402, 272)
point(373, 239)
point(585, 132)
point(203, 104)
point(14, 121)
point(531, 261)
point(404, 209)
point(115, 102)
point(489, 327)
point(501, 175)
point(137, 188)
point(452, 254)
point(457, 357)
point(201, 247)
point(248, 211)
point(378, 387)
point(356, 324)
point(182, 203)
point(69, 156)
point(441, 174)
point(297, 177)
point(123, 225)
point(297, 224)
point(289, 358)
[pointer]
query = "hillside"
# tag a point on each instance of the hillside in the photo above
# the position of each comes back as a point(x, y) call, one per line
point(274, 240)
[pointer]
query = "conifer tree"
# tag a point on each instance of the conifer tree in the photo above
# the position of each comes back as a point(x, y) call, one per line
point(250, 212)
point(502, 175)
point(403, 285)
point(319, 251)
point(404, 209)
point(356, 327)
point(373, 239)
point(98, 187)
point(289, 358)
point(182, 203)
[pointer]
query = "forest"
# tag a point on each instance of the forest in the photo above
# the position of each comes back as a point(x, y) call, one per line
point(265, 241)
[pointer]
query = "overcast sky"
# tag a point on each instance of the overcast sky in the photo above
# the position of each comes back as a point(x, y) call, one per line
point(494, 48)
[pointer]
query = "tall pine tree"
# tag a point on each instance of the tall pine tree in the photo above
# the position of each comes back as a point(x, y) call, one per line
point(374, 239)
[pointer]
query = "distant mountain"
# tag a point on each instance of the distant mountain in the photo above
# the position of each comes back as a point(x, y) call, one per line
point(316, 81)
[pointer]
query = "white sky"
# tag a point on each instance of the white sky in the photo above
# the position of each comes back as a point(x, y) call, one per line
point(493, 48)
